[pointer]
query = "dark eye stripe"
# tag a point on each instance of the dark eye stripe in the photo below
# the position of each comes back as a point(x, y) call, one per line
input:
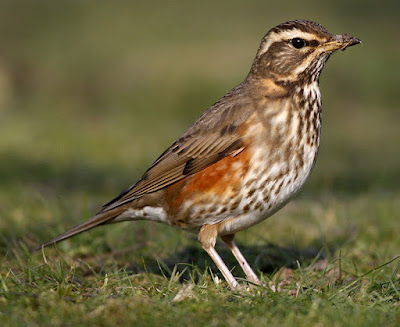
point(312, 43)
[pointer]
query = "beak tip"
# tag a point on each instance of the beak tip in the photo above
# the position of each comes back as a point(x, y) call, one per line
point(353, 41)
point(344, 41)
point(356, 40)
point(349, 41)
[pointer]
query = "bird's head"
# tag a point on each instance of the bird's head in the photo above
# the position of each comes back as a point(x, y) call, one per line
point(296, 51)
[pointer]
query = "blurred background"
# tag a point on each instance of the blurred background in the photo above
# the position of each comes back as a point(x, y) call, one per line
point(91, 92)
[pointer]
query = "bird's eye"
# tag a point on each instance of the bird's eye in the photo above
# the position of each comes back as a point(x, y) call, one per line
point(298, 43)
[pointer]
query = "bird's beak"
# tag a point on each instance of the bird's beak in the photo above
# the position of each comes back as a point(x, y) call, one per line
point(340, 42)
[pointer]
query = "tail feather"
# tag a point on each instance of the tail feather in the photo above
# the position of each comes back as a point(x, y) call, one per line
point(96, 220)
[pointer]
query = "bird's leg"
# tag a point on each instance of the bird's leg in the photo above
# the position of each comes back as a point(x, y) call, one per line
point(207, 237)
point(250, 274)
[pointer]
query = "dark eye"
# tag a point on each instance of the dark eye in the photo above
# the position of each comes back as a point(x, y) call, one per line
point(298, 43)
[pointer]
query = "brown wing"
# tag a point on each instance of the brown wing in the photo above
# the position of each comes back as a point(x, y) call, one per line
point(212, 137)
point(187, 156)
point(215, 135)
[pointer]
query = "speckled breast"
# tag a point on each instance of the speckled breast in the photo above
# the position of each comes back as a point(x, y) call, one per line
point(281, 145)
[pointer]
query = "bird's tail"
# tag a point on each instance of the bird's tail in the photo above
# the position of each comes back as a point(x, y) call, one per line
point(99, 219)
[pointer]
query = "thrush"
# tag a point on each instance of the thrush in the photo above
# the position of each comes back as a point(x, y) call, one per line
point(246, 156)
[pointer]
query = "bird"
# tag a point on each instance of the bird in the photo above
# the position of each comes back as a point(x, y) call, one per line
point(245, 157)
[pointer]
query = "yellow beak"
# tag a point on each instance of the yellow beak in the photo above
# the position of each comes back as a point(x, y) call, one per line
point(340, 42)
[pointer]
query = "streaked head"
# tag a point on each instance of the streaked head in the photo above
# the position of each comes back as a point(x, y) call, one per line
point(297, 50)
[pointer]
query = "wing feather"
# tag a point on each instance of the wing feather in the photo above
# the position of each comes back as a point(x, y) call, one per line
point(212, 137)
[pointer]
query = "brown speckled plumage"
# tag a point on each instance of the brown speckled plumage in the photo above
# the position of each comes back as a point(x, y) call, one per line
point(246, 156)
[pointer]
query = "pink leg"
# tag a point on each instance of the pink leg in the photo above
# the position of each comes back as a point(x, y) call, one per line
point(233, 284)
point(207, 237)
point(250, 274)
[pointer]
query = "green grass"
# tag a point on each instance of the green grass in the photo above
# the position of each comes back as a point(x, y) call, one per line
point(91, 93)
